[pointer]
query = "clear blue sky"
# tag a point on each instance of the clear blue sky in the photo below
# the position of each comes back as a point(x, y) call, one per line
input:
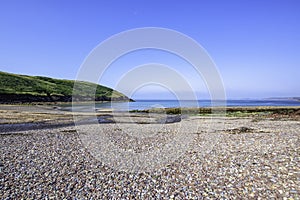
point(254, 43)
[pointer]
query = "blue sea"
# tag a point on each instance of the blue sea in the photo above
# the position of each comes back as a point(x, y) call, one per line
point(147, 104)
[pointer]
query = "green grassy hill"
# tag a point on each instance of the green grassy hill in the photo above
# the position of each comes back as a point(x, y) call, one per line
point(21, 87)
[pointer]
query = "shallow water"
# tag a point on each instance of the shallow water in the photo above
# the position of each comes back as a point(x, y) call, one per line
point(147, 104)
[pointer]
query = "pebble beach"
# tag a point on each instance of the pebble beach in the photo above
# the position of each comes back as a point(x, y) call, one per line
point(245, 158)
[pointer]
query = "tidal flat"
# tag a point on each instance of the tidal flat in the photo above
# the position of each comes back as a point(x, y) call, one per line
point(247, 154)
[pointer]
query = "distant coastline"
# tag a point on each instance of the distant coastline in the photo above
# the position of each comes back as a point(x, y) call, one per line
point(149, 104)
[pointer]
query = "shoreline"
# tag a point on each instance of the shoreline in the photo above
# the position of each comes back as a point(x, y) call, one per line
point(253, 156)
point(49, 114)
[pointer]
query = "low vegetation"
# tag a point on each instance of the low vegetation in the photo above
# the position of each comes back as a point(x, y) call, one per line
point(230, 111)
point(18, 86)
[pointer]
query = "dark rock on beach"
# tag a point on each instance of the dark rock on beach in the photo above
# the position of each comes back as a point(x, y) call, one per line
point(170, 119)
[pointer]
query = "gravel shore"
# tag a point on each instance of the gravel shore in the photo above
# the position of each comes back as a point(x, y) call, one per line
point(246, 158)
